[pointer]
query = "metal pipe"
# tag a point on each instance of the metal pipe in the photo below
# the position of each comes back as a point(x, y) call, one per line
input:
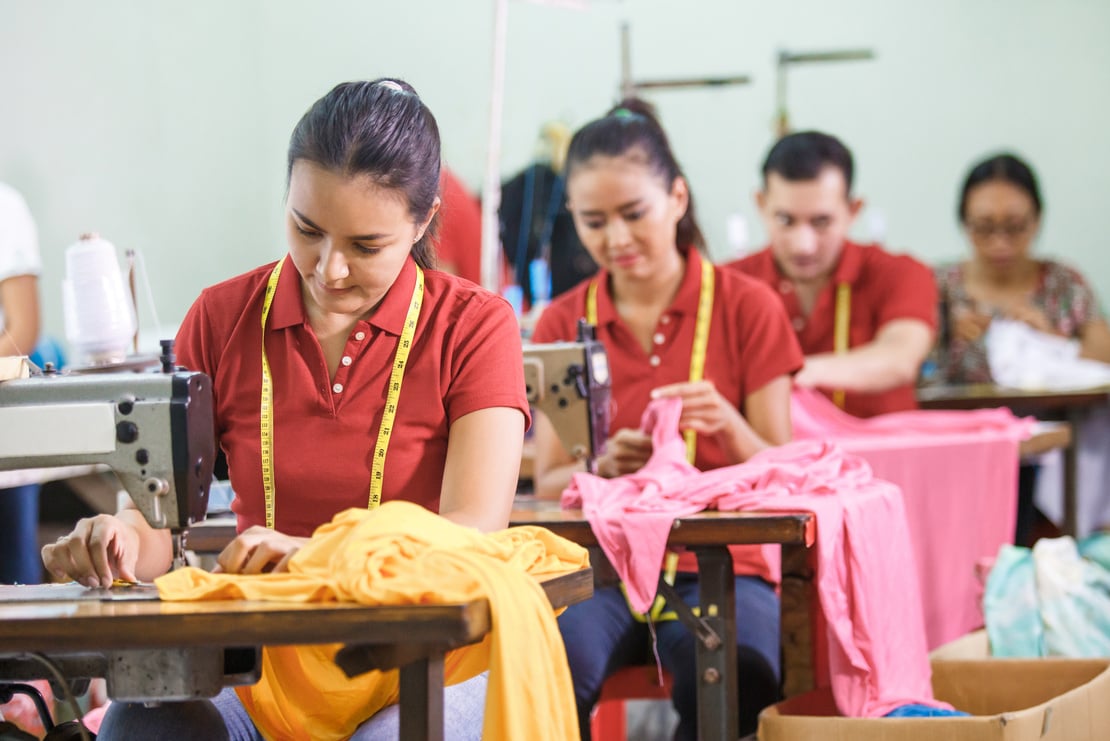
point(690, 82)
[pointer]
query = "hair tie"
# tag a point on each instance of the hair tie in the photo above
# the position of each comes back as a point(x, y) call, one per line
point(624, 113)
point(392, 85)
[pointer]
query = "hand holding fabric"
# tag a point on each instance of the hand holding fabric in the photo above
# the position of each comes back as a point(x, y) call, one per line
point(625, 452)
point(704, 409)
point(258, 550)
point(968, 325)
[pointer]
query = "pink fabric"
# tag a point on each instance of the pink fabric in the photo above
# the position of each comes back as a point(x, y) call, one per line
point(958, 474)
point(866, 578)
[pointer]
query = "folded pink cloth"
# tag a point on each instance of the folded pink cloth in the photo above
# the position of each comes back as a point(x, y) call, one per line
point(866, 576)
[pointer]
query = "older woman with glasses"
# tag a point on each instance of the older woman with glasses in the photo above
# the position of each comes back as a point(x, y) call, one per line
point(1000, 209)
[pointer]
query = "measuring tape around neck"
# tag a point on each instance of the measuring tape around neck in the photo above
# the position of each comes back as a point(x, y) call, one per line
point(842, 320)
point(701, 336)
point(393, 393)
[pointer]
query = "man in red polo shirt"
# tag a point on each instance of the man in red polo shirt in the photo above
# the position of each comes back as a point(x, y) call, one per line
point(865, 318)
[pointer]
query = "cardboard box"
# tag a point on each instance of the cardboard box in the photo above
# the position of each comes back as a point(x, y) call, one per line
point(1010, 700)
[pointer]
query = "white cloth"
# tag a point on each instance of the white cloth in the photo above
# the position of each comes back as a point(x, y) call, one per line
point(19, 242)
point(1021, 357)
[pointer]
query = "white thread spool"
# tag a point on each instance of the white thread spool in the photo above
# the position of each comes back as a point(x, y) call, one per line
point(99, 317)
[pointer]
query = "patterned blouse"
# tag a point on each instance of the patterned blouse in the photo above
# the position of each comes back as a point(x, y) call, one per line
point(1061, 293)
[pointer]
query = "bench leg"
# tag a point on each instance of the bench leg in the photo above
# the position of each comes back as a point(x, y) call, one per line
point(422, 699)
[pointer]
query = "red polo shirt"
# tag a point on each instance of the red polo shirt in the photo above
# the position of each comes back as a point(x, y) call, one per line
point(885, 287)
point(465, 356)
point(750, 344)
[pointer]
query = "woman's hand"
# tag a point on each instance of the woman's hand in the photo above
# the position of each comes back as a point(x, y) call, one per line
point(258, 550)
point(968, 325)
point(1032, 316)
point(99, 550)
point(704, 410)
point(625, 452)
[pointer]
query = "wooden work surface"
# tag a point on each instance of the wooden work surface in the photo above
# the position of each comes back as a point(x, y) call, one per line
point(703, 528)
point(92, 625)
point(985, 395)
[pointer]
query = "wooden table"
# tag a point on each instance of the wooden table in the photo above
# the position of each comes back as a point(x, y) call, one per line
point(1070, 406)
point(95, 634)
point(708, 535)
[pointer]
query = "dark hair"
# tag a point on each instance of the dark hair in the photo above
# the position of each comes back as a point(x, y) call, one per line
point(630, 125)
point(382, 129)
point(1004, 167)
point(803, 155)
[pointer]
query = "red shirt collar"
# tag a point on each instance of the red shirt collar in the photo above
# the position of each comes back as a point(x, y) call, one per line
point(288, 309)
point(685, 301)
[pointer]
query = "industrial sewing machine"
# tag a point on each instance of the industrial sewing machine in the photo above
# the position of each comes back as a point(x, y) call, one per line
point(569, 382)
point(154, 430)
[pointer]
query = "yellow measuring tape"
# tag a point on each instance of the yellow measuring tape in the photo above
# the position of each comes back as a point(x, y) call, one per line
point(697, 373)
point(701, 336)
point(842, 320)
point(396, 377)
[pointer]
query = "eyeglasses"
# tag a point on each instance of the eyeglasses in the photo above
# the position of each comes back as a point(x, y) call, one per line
point(1007, 229)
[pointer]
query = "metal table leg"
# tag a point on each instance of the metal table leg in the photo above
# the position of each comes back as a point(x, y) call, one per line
point(1071, 477)
point(718, 711)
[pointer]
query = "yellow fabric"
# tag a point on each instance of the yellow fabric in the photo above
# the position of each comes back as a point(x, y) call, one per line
point(401, 554)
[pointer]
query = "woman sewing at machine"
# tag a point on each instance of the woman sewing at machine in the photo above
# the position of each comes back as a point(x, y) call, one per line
point(317, 336)
point(1000, 209)
point(662, 310)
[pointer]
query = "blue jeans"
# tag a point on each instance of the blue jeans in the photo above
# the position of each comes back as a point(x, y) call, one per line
point(601, 636)
point(223, 718)
point(20, 562)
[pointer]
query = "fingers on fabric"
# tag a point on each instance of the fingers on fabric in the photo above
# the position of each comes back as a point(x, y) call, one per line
point(93, 554)
point(625, 452)
point(257, 550)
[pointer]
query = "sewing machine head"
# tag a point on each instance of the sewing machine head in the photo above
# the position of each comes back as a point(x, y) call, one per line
point(569, 382)
point(153, 429)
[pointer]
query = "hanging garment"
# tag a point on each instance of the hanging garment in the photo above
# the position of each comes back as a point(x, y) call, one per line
point(866, 576)
point(401, 554)
point(971, 503)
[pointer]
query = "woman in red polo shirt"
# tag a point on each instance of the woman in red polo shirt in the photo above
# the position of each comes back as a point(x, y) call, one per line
point(352, 323)
point(634, 214)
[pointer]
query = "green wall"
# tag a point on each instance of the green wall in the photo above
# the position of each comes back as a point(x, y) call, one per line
point(162, 125)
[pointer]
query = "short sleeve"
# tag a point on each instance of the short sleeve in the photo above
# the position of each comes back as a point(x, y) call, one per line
point(486, 361)
point(769, 346)
point(194, 339)
point(910, 290)
point(19, 245)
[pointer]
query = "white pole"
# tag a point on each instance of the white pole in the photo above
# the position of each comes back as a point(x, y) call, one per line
point(491, 188)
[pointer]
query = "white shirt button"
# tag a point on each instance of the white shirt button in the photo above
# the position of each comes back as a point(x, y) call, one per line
point(346, 360)
point(360, 336)
point(799, 323)
point(654, 360)
point(658, 338)
point(337, 388)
